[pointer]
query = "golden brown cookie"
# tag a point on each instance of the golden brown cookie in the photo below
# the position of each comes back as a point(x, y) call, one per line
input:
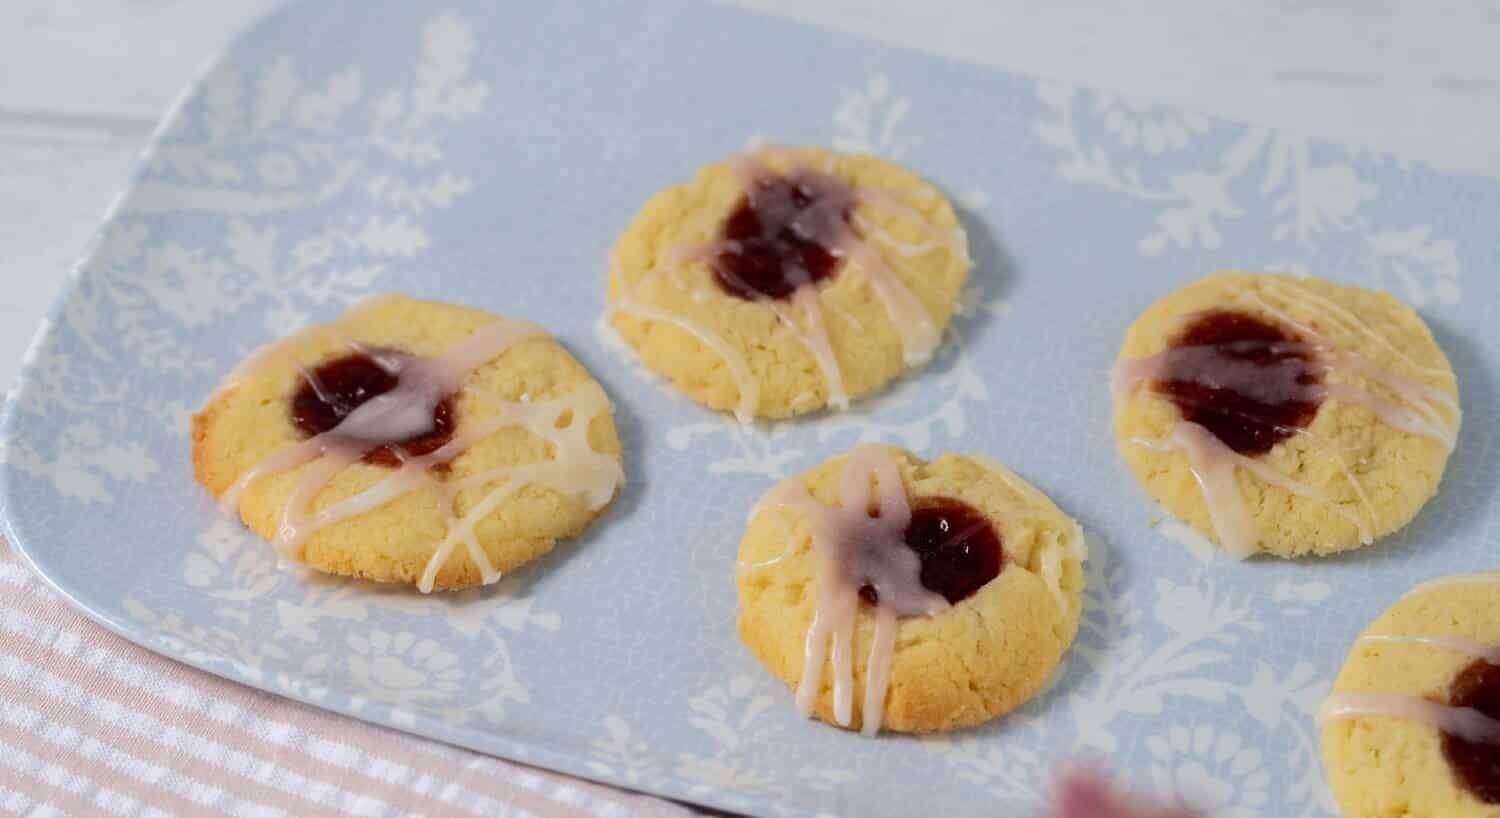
point(955, 581)
point(1419, 678)
point(413, 442)
point(783, 281)
point(1285, 416)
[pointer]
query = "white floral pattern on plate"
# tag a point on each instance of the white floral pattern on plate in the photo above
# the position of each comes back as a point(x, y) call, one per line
point(1211, 771)
point(1194, 200)
point(734, 716)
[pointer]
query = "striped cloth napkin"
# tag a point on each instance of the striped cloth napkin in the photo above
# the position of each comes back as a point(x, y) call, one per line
point(92, 725)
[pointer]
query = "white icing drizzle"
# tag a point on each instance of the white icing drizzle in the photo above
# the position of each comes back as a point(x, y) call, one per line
point(1361, 524)
point(816, 339)
point(1075, 547)
point(576, 468)
point(906, 249)
point(857, 542)
point(750, 567)
point(860, 541)
point(1428, 404)
point(877, 670)
point(1213, 465)
point(849, 317)
point(1292, 292)
point(405, 412)
point(1425, 411)
point(1464, 722)
point(919, 334)
point(295, 526)
point(1416, 420)
point(260, 356)
point(739, 366)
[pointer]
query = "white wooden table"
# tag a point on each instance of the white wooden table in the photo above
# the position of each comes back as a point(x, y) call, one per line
point(82, 83)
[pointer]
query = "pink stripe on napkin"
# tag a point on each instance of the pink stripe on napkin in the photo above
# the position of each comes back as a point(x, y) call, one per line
point(90, 725)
